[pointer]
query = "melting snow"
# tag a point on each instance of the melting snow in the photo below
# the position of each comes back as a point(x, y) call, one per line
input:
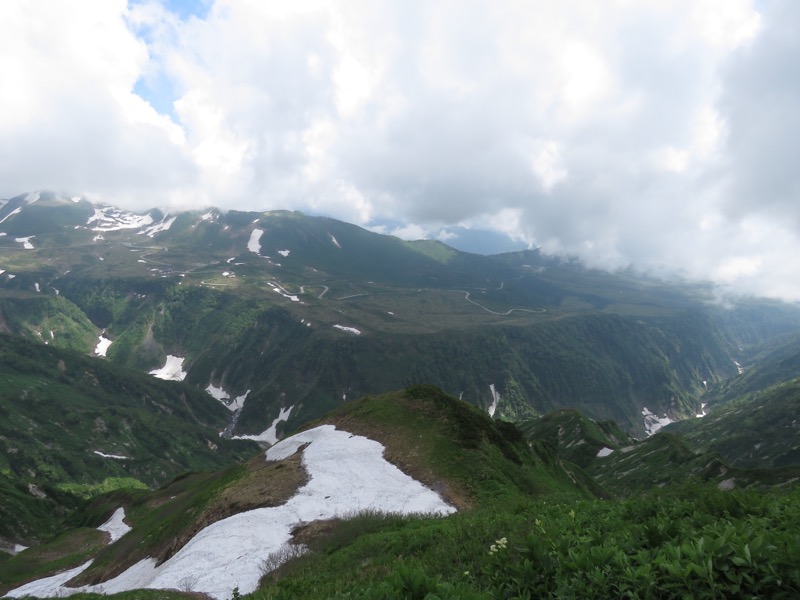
point(102, 346)
point(220, 394)
point(18, 548)
point(172, 369)
point(652, 423)
point(284, 253)
point(116, 526)
point(603, 452)
point(114, 456)
point(254, 243)
point(36, 287)
point(335, 243)
point(271, 434)
point(25, 241)
point(348, 329)
point(108, 218)
point(32, 197)
point(702, 412)
point(495, 400)
point(158, 227)
point(738, 366)
point(16, 211)
point(347, 474)
point(208, 216)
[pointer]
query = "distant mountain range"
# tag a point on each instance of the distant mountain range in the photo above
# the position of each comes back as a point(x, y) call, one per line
point(272, 311)
point(144, 357)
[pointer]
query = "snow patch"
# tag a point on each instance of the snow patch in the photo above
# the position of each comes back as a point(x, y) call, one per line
point(103, 344)
point(25, 241)
point(495, 400)
point(172, 369)
point(164, 225)
point(270, 435)
point(254, 243)
point(16, 211)
point(702, 412)
point(32, 197)
point(108, 218)
point(347, 329)
point(218, 393)
point(603, 452)
point(284, 253)
point(653, 423)
point(114, 456)
point(739, 367)
point(116, 526)
point(335, 243)
point(347, 474)
point(36, 287)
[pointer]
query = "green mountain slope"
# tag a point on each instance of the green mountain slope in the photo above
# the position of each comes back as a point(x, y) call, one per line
point(475, 463)
point(304, 311)
point(759, 430)
point(67, 418)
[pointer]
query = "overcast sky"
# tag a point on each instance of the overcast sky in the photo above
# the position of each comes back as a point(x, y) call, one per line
point(661, 134)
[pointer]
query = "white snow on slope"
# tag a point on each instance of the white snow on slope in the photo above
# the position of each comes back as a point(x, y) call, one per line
point(16, 211)
point(172, 369)
point(702, 412)
point(270, 435)
point(103, 344)
point(348, 329)
point(653, 423)
point(18, 548)
point(254, 243)
point(347, 474)
point(32, 197)
point(603, 452)
point(108, 218)
point(49, 586)
point(495, 400)
point(218, 393)
point(158, 227)
point(25, 241)
point(284, 253)
point(36, 287)
point(114, 456)
point(116, 526)
point(335, 242)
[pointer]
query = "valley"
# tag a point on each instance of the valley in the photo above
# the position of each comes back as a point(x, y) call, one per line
point(149, 359)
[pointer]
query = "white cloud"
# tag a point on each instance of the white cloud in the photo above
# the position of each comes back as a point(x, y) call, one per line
point(645, 132)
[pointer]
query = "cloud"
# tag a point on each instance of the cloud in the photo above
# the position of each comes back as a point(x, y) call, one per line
point(658, 134)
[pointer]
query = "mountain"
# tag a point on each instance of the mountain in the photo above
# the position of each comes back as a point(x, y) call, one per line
point(74, 424)
point(282, 316)
point(211, 532)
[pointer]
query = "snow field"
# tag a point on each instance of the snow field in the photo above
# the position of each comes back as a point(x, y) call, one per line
point(103, 345)
point(254, 243)
point(270, 435)
point(172, 369)
point(347, 474)
point(116, 526)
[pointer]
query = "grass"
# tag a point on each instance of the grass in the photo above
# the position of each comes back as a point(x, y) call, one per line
point(684, 541)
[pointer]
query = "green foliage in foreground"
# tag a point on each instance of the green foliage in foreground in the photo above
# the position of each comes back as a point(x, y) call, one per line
point(685, 542)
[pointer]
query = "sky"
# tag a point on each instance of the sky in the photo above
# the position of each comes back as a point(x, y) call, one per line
point(653, 134)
